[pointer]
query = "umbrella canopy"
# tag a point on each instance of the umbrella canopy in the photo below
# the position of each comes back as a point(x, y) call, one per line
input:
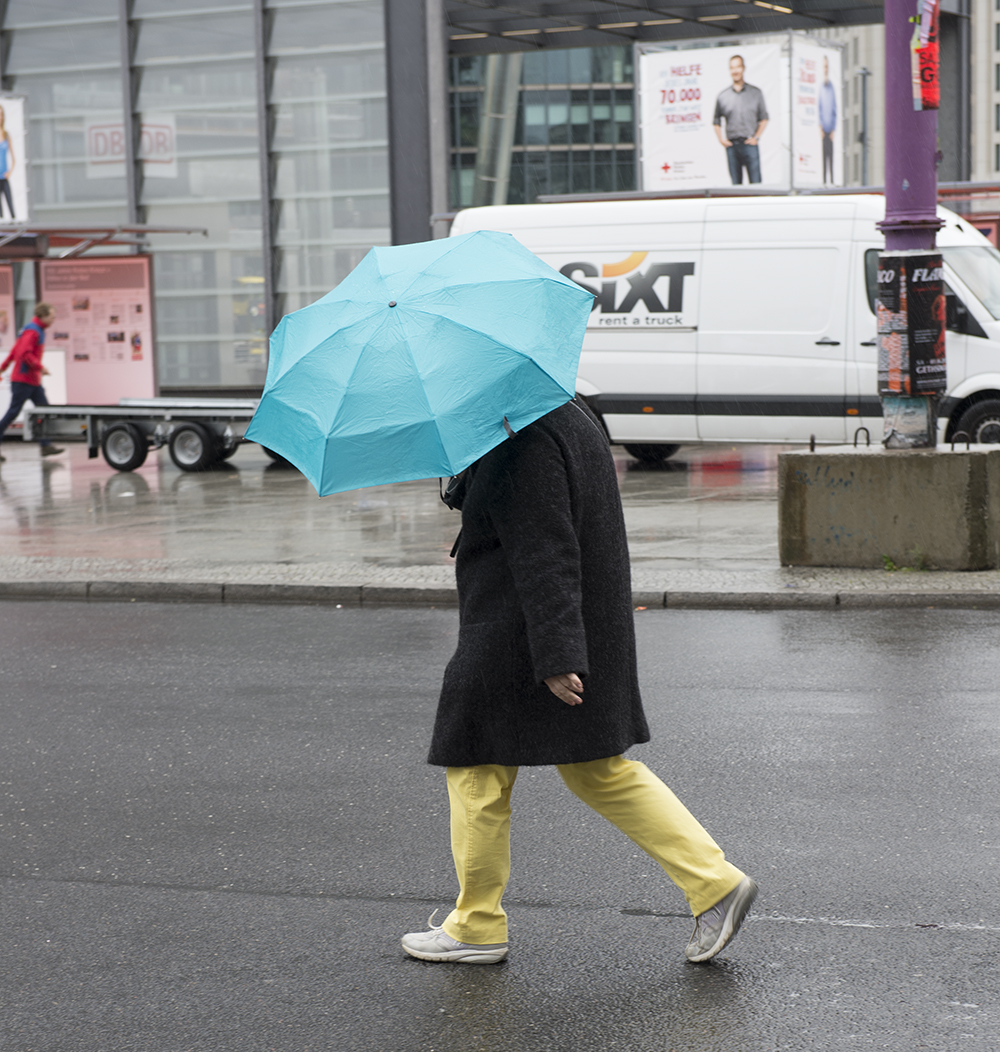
point(407, 369)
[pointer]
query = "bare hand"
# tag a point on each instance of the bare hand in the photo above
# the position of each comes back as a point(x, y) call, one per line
point(752, 141)
point(45, 371)
point(727, 142)
point(567, 687)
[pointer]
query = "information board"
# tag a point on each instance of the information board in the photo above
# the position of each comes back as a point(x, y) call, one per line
point(104, 324)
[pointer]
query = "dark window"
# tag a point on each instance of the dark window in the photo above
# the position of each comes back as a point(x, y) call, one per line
point(871, 276)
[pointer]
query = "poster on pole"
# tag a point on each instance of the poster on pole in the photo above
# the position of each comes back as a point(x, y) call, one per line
point(13, 159)
point(104, 325)
point(712, 117)
point(817, 115)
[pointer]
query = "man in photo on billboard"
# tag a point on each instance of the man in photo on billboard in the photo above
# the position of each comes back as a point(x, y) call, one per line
point(26, 377)
point(827, 119)
point(741, 106)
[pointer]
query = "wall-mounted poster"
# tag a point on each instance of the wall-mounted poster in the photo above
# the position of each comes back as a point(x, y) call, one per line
point(104, 324)
point(8, 334)
point(13, 161)
point(748, 113)
point(816, 115)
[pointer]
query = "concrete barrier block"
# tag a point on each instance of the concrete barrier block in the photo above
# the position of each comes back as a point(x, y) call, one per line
point(156, 591)
point(894, 600)
point(345, 595)
point(650, 600)
point(872, 508)
point(751, 600)
point(398, 595)
point(43, 589)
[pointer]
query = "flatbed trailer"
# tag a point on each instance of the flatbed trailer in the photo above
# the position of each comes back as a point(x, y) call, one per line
point(198, 432)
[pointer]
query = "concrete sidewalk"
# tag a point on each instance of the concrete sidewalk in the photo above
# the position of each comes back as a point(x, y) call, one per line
point(702, 533)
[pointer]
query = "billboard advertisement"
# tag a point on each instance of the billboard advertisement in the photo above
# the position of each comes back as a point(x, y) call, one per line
point(711, 117)
point(817, 109)
point(103, 324)
point(743, 114)
point(13, 162)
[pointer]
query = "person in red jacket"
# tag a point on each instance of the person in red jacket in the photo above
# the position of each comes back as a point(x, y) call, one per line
point(26, 377)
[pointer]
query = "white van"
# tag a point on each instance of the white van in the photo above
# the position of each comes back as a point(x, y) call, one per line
point(751, 319)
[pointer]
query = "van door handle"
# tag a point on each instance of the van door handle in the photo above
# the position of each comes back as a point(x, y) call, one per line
point(869, 343)
point(827, 342)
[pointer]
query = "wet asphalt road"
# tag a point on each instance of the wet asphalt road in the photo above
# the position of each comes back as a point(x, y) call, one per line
point(216, 822)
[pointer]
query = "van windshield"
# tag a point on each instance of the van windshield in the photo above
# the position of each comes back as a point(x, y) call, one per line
point(979, 267)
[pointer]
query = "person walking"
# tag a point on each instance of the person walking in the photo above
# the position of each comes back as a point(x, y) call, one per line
point(26, 376)
point(545, 673)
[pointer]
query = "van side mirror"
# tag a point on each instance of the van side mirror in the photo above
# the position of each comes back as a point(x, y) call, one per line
point(957, 314)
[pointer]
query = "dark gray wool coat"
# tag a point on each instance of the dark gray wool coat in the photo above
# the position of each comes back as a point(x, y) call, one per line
point(544, 588)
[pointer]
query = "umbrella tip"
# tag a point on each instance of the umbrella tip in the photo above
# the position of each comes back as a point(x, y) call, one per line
point(392, 303)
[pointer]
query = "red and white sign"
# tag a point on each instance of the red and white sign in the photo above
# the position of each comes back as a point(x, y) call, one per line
point(104, 325)
point(105, 145)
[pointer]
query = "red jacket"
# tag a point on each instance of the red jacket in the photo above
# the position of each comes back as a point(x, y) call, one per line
point(26, 354)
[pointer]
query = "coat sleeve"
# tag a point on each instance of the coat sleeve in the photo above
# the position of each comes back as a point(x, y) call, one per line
point(530, 506)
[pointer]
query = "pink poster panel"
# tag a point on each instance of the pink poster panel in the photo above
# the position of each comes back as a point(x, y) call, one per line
point(8, 334)
point(104, 324)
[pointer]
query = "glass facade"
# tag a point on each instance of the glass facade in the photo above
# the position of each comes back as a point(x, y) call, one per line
point(330, 145)
point(195, 69)
point(575, 126)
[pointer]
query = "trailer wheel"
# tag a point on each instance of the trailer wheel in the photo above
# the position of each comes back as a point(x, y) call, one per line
point(651, 454)
point(193, 447)
point(124, 447)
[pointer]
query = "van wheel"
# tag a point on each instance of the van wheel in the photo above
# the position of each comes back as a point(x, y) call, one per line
point(981, 422)
point(124, 447)
point(651, 454)
point(193, 447)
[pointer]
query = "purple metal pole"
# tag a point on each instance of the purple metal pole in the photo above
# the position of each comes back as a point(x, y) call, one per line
point(910, 143)
point(911, 222)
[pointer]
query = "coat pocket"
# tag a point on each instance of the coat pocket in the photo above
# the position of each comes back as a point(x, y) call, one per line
point(482, 660)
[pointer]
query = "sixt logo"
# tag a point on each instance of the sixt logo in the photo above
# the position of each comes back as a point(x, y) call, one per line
point(641, 288)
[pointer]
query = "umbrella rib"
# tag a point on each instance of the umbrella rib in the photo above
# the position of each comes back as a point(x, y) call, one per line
point(347, 385)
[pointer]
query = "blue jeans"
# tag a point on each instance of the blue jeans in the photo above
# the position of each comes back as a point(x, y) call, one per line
point(741, 155)
point(19, 394)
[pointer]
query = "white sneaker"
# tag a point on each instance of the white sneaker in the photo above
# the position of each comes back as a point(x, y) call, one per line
point(719, 925)
point(437, 945)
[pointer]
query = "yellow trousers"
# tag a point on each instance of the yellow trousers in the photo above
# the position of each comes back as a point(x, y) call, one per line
point(624, 791)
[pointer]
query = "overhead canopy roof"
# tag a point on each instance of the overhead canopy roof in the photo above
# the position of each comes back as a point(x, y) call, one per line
point(26, 240)
point(481, 27)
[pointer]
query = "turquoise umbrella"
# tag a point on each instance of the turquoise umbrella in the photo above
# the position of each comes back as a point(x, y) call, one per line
point(423, 359)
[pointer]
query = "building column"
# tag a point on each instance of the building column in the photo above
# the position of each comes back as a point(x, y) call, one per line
point(416, 65)
point(131, 122)
point(265, 135)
